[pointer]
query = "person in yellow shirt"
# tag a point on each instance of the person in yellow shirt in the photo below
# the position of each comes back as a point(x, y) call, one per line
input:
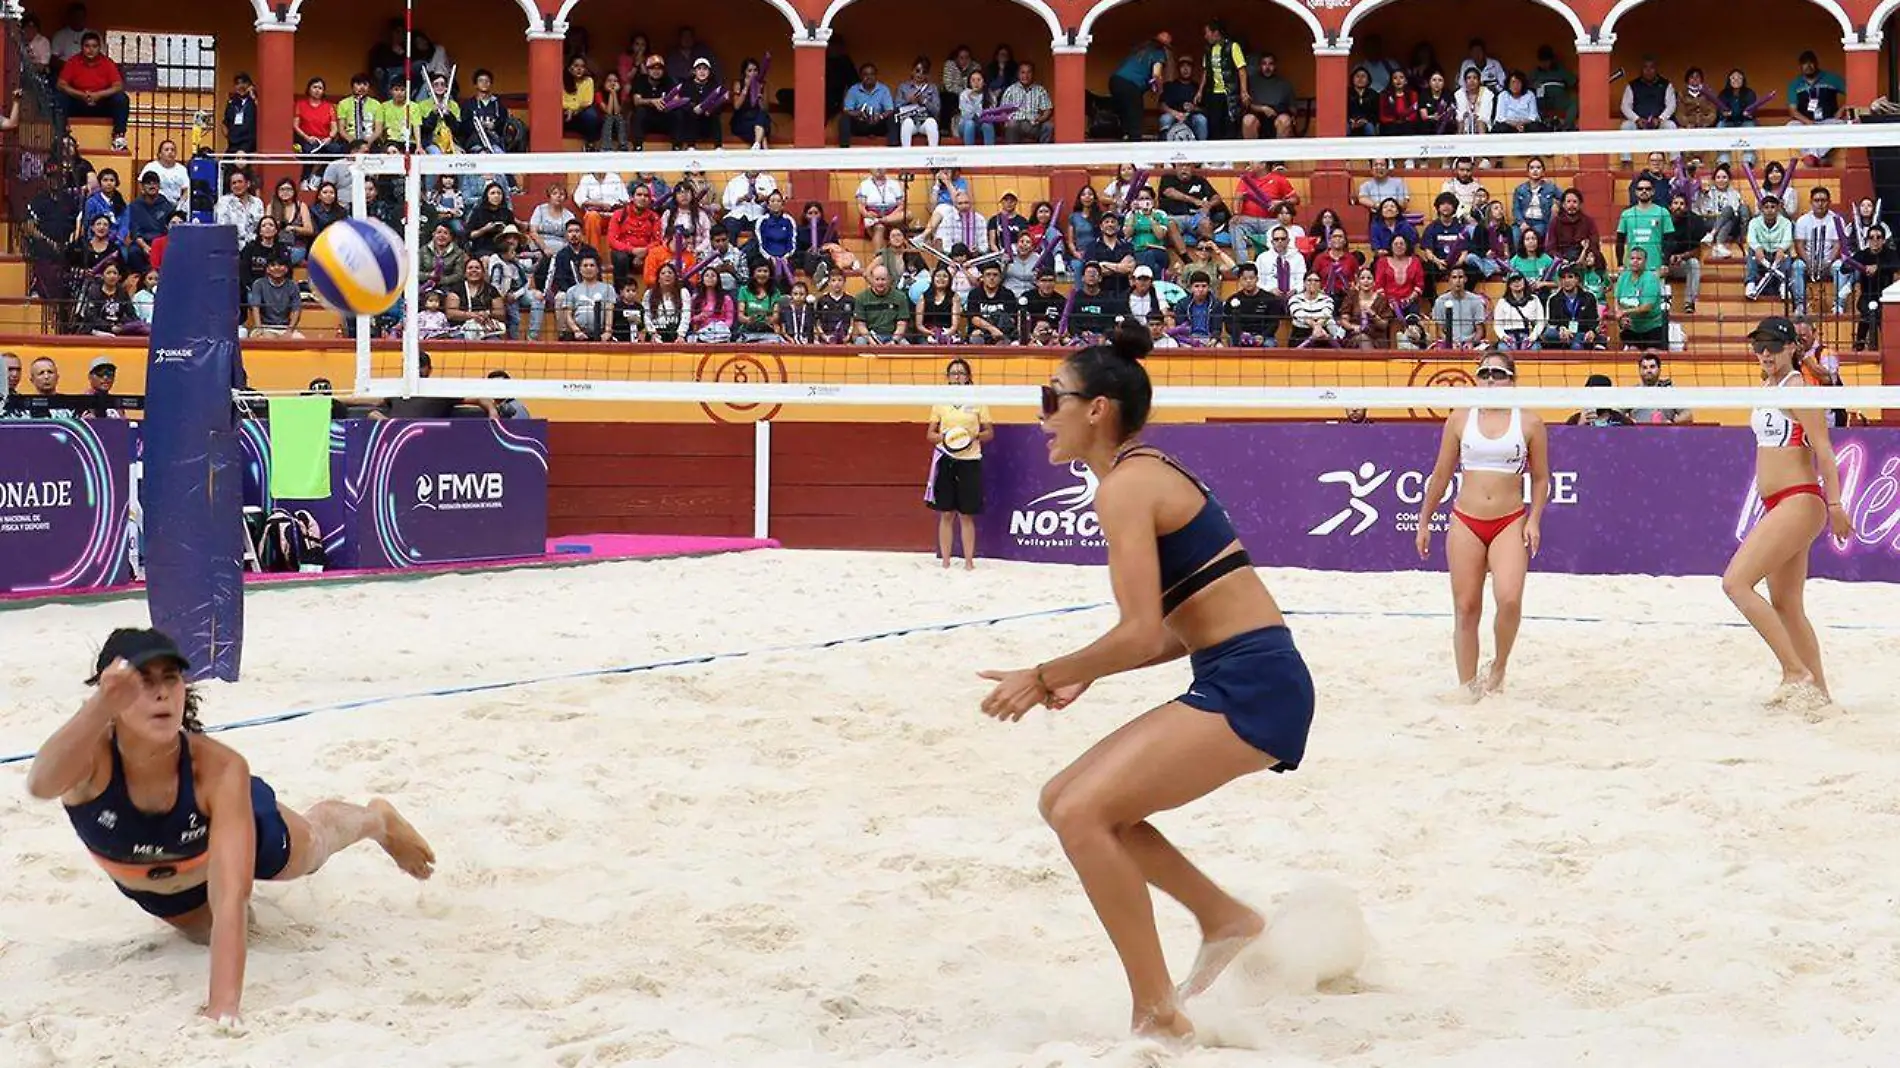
point(401, 117)
point(578, 114)
point(955, 491)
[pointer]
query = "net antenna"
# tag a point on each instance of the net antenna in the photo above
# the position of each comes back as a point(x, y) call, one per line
point(1013, 378)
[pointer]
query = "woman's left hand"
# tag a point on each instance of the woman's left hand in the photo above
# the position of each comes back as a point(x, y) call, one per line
point(1839, 522)
point(1533, 537)
point(1016, 693)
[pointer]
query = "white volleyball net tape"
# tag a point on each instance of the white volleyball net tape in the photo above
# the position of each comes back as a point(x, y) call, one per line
point(772, 355)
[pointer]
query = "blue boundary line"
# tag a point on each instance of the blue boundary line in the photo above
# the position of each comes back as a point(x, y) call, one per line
point(900, 632)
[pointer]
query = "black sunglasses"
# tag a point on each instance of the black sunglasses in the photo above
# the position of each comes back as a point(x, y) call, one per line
point(1760, 345)
point(1052, 399)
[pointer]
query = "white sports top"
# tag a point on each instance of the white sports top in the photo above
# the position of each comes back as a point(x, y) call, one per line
point(1775, 428)
point(1504, 454)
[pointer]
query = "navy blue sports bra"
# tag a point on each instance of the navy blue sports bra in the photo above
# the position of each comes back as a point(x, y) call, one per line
point(135, 845)
point(1186, 553)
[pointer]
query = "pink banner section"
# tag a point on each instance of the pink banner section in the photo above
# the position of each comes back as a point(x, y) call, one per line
point(1339, 497)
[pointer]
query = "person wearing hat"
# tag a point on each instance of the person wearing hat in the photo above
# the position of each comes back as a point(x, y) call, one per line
point(177, 820)
point(1799, 483)
point(99, 402)
point(1573, 319)
point(698, 119)
point(1772, 267)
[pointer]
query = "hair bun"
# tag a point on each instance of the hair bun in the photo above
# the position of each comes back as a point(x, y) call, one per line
point(1131, 341)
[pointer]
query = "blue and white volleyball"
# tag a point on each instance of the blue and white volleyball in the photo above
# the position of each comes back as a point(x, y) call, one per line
point(358, 266)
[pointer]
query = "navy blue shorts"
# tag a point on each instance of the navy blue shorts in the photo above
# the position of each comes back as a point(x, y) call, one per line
point(273, 855)
point(1260, 683)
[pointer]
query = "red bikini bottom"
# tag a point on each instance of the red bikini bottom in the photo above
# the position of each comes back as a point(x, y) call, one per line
point(1768, 503)
point(1488, 530)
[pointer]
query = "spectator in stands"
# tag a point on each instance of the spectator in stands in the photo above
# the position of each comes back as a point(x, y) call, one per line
point(1399, 107)
point(585, 309)
point(564, 266)
point(1150, 232)
point(1572, 230)
point(145, 220)
point(473, 306)
point(868, 108)
point(956, 78)
point(1723, 212)
point(1198, 314)
point(1519, 317)
point(550, 219)
point(315, 131)
point(99, 401)
point(1516, 106)
point(1095, 309)
point(1641, 318)
point(1390, 222)
point(751, 119)
point(646, 93)
point(1773, 268)
point(1649, 101)
point(1535, 199)
point(1590, 273)
point(991, 309)
point(793, 318)
point(1476, 105)
point(1643, 225)
point(69, 40)
point(1556, 90)
point(1598, 416)
point(1281, 266)
point(687, 51)
point(1364, 313)
point(360, 118)
point(485, 119)
point(1223, 88)
point(387, 57)
point(1445, 243)
point(90, 252)
point(36, 45)
point(1875, 265)
point(918, 105)
point(1001, 72)
point(1178, 107)
point(755, 301)
point(92, 87)
point(1682, 250)
point(1145, 300)
point(1041, 308)
point(1735, 107)
point(1128, 87)
point(698, 119)
point(103, 305)
point(1460, 315)
point(240, 115)
point(1312, 315)
point(579, 117)
point(1464, 186)
point(1477, 60)
point(275, 303)
point(1815, 97)
point(439, 122)
point(1030, 120)
point(835, 310)
point(10, 363)
point(1823, 245)
point(1649, 374)
point(1401, 276)
point(1362, 105)
point(441, 259)
point(240, 207)
point(1268, 101)
point(666, 306)
point(1114, 255)
point(971, 103)
point(958, 223)
point(1491, 241)
point(883, 312)
point(1337, 263)
point(745, 198)
point(509, 274)
point(1538, 267)
point(1696, 107)
point(105, 201)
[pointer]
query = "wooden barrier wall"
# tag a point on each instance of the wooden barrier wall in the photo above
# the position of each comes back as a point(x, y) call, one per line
point(834, 485)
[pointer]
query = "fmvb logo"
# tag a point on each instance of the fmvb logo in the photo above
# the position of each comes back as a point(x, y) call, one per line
point(450, 491)
point(1061, 518)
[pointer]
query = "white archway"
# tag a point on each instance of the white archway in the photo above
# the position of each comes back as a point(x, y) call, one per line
point(1367, 7)
point(1302, 11)
point(267, 16)
point(1623, 7)
point(784, 7)
point(1877, 25)
point(1038, 6)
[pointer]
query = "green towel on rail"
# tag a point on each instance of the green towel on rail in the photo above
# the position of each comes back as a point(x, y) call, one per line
point(300, 448)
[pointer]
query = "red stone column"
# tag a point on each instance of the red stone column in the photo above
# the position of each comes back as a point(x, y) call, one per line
point(1863, 76)
point(1071, 92)
point(277, 87)
point(544, 90)
point(808, 91)
point(1593, 90)
point(1330, 69)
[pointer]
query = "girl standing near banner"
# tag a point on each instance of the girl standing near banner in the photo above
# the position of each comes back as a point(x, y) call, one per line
point(178, 821)
point(955, 490)
point(1491, 530)
point(1800, 488)
point(1184, 586)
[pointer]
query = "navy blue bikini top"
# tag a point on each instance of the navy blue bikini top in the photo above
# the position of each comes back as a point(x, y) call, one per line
point(132, 843)
point(1186, 553)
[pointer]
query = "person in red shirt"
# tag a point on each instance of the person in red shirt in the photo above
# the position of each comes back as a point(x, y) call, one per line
point(94, 88)
point(1262, 190)
point(314, 130)
point(631, 232)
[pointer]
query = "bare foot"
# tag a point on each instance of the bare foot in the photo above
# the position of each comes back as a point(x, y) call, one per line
point(1218, 950)
point(1168, 1025)
point(969, 565)
point(403, 843)
point(1493, 675)
point(1794, 690)
point(946, 563)
point(1469, 692)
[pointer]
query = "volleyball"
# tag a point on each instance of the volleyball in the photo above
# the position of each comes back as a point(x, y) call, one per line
point(956, 439)
point(358, 266)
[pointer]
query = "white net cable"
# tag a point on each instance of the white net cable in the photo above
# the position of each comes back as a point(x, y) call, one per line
point(1232, 380)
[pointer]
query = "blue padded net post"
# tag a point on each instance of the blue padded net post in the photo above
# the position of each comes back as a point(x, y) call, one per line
point(193, 486)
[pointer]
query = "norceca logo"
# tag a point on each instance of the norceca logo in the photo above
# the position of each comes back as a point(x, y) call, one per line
point(1063, 518)
point(450, 491)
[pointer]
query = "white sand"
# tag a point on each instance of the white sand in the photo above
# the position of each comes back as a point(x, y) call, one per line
point(832, 858)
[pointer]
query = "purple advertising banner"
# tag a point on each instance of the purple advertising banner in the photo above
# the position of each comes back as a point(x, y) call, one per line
point(1338, 497)
point(63, 495)
point(427, 491)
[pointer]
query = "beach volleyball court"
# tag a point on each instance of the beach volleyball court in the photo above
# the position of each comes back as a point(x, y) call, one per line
point(829, 857)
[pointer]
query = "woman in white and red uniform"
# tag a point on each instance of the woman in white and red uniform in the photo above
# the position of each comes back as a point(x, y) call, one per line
point(1492, 532)
point(1791, 450)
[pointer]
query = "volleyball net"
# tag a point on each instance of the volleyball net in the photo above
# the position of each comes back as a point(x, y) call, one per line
point(750, 281)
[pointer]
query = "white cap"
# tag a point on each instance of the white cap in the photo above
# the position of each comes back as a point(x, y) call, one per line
point(1144, 271)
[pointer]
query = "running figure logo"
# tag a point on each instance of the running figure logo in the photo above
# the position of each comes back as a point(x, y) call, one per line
point(1071, 498)
point(1360, 484)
